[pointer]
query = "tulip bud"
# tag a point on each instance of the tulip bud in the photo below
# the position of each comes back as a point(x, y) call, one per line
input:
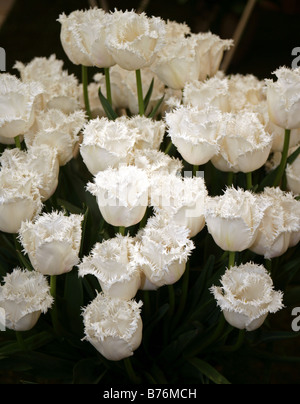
point(247, 296)
point(233, 219)
point(113, 326)
point(122, 195)
point(113, 264)
point(23, 297)
point(20, 198)
point(284, 98)
point(52, 242)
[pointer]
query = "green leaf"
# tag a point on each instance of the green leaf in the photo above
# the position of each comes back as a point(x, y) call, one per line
point(156, 108)
point(293, 156)
point(111, 114)
point(148, 95)
point(209, 371)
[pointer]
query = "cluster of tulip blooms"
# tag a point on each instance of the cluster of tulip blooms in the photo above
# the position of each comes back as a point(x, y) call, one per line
point(237, 123)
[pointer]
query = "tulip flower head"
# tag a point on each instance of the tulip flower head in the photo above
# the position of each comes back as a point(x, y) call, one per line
point(24, 295)
point(163, 250)
point(233, 219)
point(107, 144)
point(182, 199)
point(113, 264)
point(247, 296)
point(17, 102)
point(52, 242)
point(244, 143)
point(122, 195)
point(60, 89)
point(57, 130)
point(195, 133)
point(283, 98)
point(113, 326)
point(83, 37)
point(134, 39)
point(20, 198)
point(41, 160)
point(280, 224)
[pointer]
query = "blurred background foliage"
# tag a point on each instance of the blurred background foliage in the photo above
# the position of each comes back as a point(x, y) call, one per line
point(180, 345)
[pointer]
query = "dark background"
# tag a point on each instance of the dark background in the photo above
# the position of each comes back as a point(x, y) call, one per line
point(273, 31)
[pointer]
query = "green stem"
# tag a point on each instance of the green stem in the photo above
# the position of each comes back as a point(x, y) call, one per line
point(85, 91)
point(283, 163)
point(230, 179)
point(17, 142)
point(122, 230)
point(195, 170)
point(249, 181)
point(108, 86)
point(231, 261)
point(168, 148)
point(140, 92)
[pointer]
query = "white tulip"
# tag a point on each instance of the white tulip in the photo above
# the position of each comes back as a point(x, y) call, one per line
point(150, 133)
point(39, 159)
point(212, 92)
point(191, 58)
point(23, 297)
point(107, 143)
point(83, 36)
point(195, 133)
point(284, 98)
point(57, 130)
point(134, 39)
point(247, 296)
point(122, 195)
point(52, 242)
point(281, 221)
point(113, 326)
point(244, 144)
point(163, 249)
point(155, 161)
point(60, 89)
point(112, 263)
point(245, 92)
point(233, 219)
point(20, 198)
point(17, 102)
point(181, 199)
